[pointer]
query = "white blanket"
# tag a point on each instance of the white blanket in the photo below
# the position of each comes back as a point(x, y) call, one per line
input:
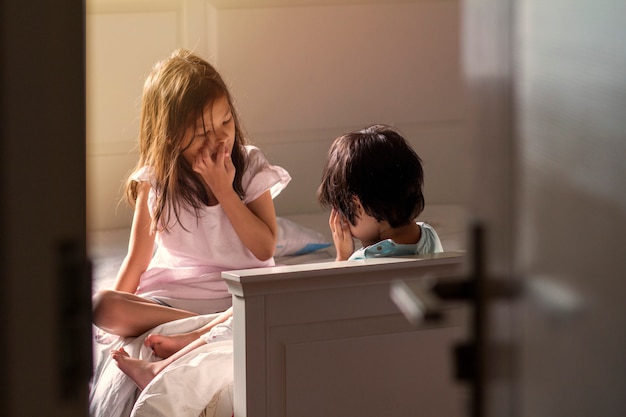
point(200, 383)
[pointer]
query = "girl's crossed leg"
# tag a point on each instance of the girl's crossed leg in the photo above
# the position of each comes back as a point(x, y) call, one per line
point(170, 347)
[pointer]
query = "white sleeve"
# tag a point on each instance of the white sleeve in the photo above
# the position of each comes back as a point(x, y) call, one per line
point(143, 174)
point(261, 176)
point(429, 241)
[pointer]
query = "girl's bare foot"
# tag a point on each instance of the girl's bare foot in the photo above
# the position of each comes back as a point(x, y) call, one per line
point(165, 346)
point(141, 372)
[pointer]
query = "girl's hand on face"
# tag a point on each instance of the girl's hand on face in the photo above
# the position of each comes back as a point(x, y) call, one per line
point(342, 238)
point(218, 173)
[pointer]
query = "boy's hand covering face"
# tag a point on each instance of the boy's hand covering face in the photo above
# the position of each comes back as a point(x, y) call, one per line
point(342, 237)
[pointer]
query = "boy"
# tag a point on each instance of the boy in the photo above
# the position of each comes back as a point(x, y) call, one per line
point(372, 182)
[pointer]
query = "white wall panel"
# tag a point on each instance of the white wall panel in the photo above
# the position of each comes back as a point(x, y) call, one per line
point(300, 75)
point(311, 67)
point(122, 47)
point(304, 75)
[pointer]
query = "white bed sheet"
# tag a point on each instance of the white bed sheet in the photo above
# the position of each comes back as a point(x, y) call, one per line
point(108, 247)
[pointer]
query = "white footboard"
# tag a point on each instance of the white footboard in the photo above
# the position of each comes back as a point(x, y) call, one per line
point(327, 340)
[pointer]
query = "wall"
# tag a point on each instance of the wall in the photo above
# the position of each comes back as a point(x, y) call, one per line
point(123, 41)
point(302, 74)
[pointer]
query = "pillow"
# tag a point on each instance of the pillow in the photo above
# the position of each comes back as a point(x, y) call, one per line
point(295, 239)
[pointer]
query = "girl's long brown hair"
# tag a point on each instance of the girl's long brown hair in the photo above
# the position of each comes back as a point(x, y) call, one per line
point(175, 95)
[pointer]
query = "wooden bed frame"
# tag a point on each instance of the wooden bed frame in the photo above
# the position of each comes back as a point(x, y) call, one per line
point(326, 339)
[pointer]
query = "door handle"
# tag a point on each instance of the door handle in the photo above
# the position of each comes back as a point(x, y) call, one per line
point(423, 300)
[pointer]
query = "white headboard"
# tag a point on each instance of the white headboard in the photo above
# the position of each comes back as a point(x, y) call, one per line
point(326, 340)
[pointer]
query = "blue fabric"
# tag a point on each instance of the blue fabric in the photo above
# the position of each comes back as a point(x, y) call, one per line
point(429, 243)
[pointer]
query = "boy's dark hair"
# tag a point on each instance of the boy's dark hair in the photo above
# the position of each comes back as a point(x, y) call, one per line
point(378, 166)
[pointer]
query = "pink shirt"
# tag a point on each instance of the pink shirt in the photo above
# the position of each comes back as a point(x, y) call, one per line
point(187, 264)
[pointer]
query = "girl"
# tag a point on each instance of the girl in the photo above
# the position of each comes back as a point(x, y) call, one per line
point(201, 196)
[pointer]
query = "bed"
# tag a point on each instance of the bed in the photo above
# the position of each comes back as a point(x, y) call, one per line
point(312, 337)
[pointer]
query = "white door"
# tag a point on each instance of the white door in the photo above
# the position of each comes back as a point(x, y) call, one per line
point(548, 80)
point(44, 284)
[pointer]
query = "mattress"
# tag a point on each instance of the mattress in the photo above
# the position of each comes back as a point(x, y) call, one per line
point(107, 248)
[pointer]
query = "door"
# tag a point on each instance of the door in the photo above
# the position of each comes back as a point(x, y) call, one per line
point(548, 84)
point(44, 284)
